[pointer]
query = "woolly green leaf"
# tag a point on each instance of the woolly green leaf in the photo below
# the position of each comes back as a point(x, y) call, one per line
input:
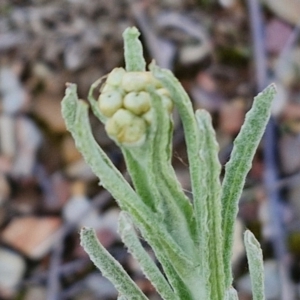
point(256, 267)
point(185, 109)
point(109, 267)
point(231, 294)
point(149, 268)
point(176, 206)
point(93, 102)
point(239, 165)
point(211, 191)
point(165, 248)
point(133, 50)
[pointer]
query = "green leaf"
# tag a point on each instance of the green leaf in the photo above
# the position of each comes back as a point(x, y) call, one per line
point(149, 268)
point(239, 165)
point(109, 267)
point(178, 212)
point(256, 267)
point(93, 102)
point(211, 191)
point(133, 50)
point(152, 228)
point(231, 294)
point(185, 109)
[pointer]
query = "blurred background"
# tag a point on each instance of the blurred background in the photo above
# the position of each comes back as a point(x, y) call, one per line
point(224, 52)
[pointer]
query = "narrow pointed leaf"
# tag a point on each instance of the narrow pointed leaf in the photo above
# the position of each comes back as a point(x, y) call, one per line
point(211, 192)
point(256, 267)
point(185, 109)
point(176, 206)
point(239, 165)
point(231, 294)
point(133, 50)
point(148, 266)
point(109, 267)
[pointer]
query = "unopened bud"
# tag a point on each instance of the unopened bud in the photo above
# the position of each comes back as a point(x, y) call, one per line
point(115, 77)
point(110, 102)
point(138, 103)
point(126, 128)
point(138, 81)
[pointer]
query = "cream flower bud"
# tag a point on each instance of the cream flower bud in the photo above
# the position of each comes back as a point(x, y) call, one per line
point(126, 128)
point(167, 103)
point(115, 77)
point(107, 88)
point(148, 116)
point(109, 102)
point(166, 99)
point(163, 92)
point(138, 81)
point(138, 103)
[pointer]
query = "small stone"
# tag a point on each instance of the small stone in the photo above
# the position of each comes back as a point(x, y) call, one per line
point(79, 209)
point(80, 170)
point(69, 151)
point(36, 293)
point(12, 267)
point(276, 35)
point(47, 107)
point(101, 286)
point(232, 116)
point(32, 236)
point(289, 153)
point(288, 10)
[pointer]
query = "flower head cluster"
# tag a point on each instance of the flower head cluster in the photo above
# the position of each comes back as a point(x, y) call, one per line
point(126, 104)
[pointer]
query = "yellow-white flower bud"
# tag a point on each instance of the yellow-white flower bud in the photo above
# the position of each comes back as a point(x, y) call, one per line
point(166, 99)
point(138, 81)
point(163, 92)
point(126, 128)
point(167, 103)
point(148, 116)
point(107, 88)
point(137, 102)
point(115, 77)
point(109, 102)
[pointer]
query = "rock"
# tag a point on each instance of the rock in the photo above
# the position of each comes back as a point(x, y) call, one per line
point(238, 244)
point(36, 293)
point(69, 151)
point(79, 209)
point(205, 93)
point(101, 286)
point(33, 236)
point(28, 139)
point(47, 108)
point(280, 102)
point(4, 189)
point(12, 267)
point(277, 35)
point(232, 116)
point(289, 145)
point(288, 10)
point(108, 229)
point(75, 55)
point(80, 170)
point(14, 95)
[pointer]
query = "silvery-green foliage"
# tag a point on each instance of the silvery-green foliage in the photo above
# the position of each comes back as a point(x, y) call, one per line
point(191, 240)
